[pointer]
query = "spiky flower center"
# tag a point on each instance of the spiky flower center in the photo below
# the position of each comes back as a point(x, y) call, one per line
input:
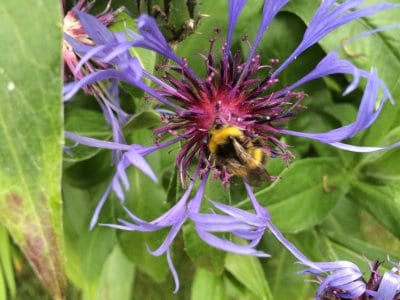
point(232, 94)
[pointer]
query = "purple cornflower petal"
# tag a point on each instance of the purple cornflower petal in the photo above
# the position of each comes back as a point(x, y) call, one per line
point(389, 285)
point(364, 149)
point(365, 117)
point(332, 64)
point(132, 77)
point(80, 47)
point(133, 155)
point(129, 68)
point(174, 218)
point(234, 9)
point(341, 278)
point(226, 245)
point(270, 10)
point(151, 38)
point(329, 65)
point(95, 142)
point(330, 16)
point(95, 29)
point(173, 271)
point(239, 223)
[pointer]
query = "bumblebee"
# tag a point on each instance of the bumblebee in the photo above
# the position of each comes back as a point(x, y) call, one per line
point(241, 155)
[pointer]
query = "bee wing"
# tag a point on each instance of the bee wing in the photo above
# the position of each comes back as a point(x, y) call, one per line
point(235, 167)
point(241, 153)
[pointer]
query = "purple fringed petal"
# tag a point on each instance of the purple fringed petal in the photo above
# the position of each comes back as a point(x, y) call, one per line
point(130, 157)
point(131, 77)
point(98, 208)
point(333, 64)
point(330, 16)
point(229, 246)
point(345, 284)
point(133, 155)
point(174, 218)
point(389, 286)
point(131, 73)
point(331, 266)
point(235, 7)
point(364, 149)
point(151, 38)
point(95, 142)
point(96, 52)
point(270, 10)
point(237, 222)
point(241, 215)
point(365, 117)
point(95, 29)
point(170, 217)
point(342, 278)
point(138, 161)
point(79, 47)
point(173, 271)
point(170, 237)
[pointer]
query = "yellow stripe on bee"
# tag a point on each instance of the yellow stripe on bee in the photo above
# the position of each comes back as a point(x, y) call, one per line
point(257, 154)
point(221, 136)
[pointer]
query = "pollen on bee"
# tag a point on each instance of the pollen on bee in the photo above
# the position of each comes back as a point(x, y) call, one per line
point(221, 136)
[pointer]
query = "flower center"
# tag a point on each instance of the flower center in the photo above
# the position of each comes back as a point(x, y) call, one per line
point(234, 97)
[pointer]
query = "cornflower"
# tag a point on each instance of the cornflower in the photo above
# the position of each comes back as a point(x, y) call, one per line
point(344, 280)
point(228, 122)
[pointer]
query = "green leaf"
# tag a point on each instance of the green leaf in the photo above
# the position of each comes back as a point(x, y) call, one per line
point(281, 268)
point(201, 254)
point(145, 119)
point(213, 15)
point(248, 271)
point(178, 14)
point(87, 250)
point(3, 291)
point(383, 166)
point(362, 248)
point(383, 202)
point(31, 135)
point(344, 247)
point(306, 193)
point(86, 122)
point(116, 277)
point(207, 285)
point(345, 217)
point(6, 268)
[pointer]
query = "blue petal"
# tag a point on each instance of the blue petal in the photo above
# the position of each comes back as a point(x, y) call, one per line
point(329, 17)
point(138, 161)
point(229, 246)
point(270, 10)
point(389, 286)
point(152, 38)
point(365, 117)
point(95, 29)
point(235, 7)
